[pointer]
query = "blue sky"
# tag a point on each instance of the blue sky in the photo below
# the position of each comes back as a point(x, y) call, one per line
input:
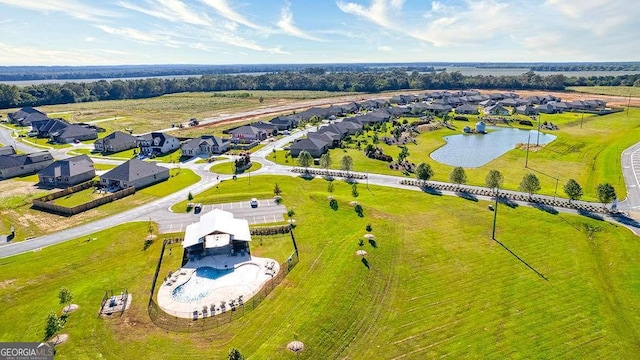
point(105, 32)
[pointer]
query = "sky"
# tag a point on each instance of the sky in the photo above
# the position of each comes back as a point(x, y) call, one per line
point(118, 32)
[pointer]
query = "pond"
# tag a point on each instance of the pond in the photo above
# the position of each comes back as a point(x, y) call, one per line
point(474, 150)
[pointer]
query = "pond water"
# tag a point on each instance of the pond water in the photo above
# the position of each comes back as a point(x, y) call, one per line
point(474, 150)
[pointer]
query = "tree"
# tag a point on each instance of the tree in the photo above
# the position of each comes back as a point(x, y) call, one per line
point(404, 153)
point(330, 186)
point(606, 194)
point(190, 196)
point(65, 296)
point(54, 324)
point(305, 159)
point(276, 190)
point(458, 176)
point(573, 189)
point(494, 180)
point(290, 214)
point(325, 161)
point(530, 184)
point(234, 354)
point(346, 163)
point(354, 190)
point(424, 172)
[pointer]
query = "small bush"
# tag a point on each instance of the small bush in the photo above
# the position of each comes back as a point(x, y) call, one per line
point(369, 228)
point(333, 203)
point(360, 242)
point(359, 210)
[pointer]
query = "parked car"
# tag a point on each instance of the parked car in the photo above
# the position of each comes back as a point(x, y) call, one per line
point(254, 203)
point(197, 208)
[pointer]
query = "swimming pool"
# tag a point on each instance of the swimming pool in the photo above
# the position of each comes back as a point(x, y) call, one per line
point(199, 286)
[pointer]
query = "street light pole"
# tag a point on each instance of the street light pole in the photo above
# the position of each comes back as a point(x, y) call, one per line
point(495, 216)
point(556, 192)
point(538, 140)
point(526, 162)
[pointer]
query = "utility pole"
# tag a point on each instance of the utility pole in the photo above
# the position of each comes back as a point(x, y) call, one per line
point(526, 163)
point(538, 141)
point(581, 121)
point(555, 193)
point(495, 216)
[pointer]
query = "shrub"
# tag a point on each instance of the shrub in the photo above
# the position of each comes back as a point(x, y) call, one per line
point(333, 203)
point(359, 210)
point(368, 228)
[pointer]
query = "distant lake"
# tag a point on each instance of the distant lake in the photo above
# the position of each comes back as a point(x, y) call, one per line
point(473, 71)
point(475, 150)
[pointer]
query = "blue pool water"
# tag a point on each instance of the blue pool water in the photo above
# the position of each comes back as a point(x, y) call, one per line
point(199, 285)
point(474, 150)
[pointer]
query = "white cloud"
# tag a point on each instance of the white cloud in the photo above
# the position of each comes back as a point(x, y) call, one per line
point(141, 36)
point(287, 24)
point(223, 8)
point(378, 11)
point(72, 8)
point(90, 39)
point(172, 10)
point(385, 48)
point(25, 55)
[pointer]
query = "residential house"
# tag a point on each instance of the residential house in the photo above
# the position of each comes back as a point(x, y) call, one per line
point(25, 116)
point(134, 172)
point(509, 102)
point(46, 127)
point(332, 139)
point(287, 122)
point(526, 110)
point(496, 110)
point(439, 109)
point(116, 142)
point(23, 164)
point(486, 103)
point(248, 133)
point(547, 108)
point(68, 172)
point(205, 145)
point(7, 150)
point(467, 109)
point(157, 143)
point(315, 147)
point(271, 129)
point(74, 133)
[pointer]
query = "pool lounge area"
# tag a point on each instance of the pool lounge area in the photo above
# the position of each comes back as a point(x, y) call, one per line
point(215, 283)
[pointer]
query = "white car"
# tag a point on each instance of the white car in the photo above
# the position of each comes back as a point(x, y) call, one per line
point(254, 203)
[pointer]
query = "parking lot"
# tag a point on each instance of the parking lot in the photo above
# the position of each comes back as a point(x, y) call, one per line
point(267, 211)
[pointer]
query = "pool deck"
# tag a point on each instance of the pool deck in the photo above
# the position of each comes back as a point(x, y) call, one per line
point(249, 275)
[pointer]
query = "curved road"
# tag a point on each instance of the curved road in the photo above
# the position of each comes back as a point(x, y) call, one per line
point(158, 210)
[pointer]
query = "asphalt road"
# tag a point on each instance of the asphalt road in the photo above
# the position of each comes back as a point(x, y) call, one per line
point(158, 211)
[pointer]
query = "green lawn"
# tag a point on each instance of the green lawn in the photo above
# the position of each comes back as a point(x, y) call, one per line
point(587, 149)
point(437, 285)
point(608, 90)
point(229, 168)
point(78, 198)
point(16, 197)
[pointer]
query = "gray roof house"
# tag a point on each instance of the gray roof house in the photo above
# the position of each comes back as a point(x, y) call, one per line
point(7, 150)
point(315, 147)
point(46, 127)
point(466, 109)
point(204, 145)
point(135, 173)
point(23, 164)
point(26, 115)
point(526, 110)
point(248, 133)
point(285, 122)
point(115, 142)
point(68, 172)
point(332, 139)
point(157, 143)
point(496, 110)
point(73, 133)
point(547, 109)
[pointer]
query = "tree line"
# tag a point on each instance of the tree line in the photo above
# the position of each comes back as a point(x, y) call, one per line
point(317, 80)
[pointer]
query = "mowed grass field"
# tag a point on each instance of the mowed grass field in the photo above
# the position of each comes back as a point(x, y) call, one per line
point(587, 149)
point(144, 115)
point(16, 197)
point(608, 90)
point(436, 286)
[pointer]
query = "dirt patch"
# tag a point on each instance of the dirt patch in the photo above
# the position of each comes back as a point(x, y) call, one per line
point(13, 187)
point(532, 147)
point(616, 101)
point(6, 283)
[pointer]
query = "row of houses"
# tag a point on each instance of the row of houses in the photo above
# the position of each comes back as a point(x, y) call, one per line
point(78, 169)
point(329, 136)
